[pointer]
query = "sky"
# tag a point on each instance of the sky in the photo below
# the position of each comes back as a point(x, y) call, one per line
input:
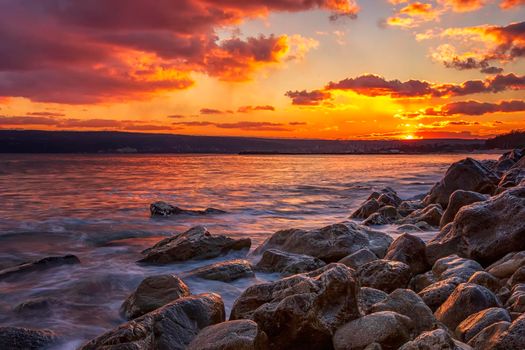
point(330, 69)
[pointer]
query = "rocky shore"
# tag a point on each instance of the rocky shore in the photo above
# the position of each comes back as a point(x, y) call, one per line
point(344, 286)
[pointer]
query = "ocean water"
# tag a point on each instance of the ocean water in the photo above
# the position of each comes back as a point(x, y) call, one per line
point(97, 207)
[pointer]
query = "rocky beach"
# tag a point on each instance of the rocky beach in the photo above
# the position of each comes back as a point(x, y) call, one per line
point(367, 282)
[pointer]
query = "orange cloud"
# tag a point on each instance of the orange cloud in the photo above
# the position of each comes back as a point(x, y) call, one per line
point(508, 4)
point(463, 5)
point(248, 109)
point(470, 108)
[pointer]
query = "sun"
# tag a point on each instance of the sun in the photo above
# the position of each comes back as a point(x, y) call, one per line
point(409, 137)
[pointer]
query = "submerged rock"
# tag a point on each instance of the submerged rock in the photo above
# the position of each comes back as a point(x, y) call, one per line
point(152, 293)
point(274, 260)
point(38, 306)
point(172, 326)
point(17, 338)
point(39, 265)
point(231, 335)
point(225, 271)
point(196, 243)
point(459, 199)
point(410, 250)
point(330, 243)
point(304, 310)
point(384, 275)
point(165, 209)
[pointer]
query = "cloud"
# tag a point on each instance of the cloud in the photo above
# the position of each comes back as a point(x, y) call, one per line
point(176, 116)
point(414, 14)
point(374, 85)
point(463, 5)
point(211, 111)
point(46, 114)
point(470, 108)
point(308, 98)
point(25, 120)
point(248, 109)
point(508, 4)
point(241, 125)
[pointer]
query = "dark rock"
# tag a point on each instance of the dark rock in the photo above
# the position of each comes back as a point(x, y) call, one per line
point(506, 266)
point(153, 292)
point(408, 207)
point(196, 243)
point(330, 243)
point(437, 293)
point(15, 338)
point(437, 339)
point(512, 178)
point(384, 216)
point(304, 310)
point(172, 326)
point(475, 323)
point(516, 300)
point(486, 280)
point(485, 231)
point(274, 260)
point(513, 337)
point(359, 258)
point(421, 281)
point(225, 271)
point(488, 336)
point(467, 174)
point(384, 275)
point(458, 200)
point(517, 277)
point(366, 209)
point(368, 297)
point(231, 335)
point(387, 328)
point(39, 265)
point(431, 214)
point(165, 209)
point(467, 299)
point(410, 250)
point(38, 306)
point(454, 266)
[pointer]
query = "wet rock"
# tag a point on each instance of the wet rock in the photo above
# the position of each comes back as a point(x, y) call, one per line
point(274, 260)
point(506, 266)
point(225, 271)
point(487, 337)
point(467, 174)
point(366, 209)
point(467, 299)
point(304, 310)
point(16, 338)
point(454, 266)
point(389, 197)
point(330, 243)
point(421, 281)
point(486, 280)
point(172, 326)
point(410, 250)
point(384, 275)
point(39, 265)
point(431, 214)
point(152, 293)
point(197, 243)
point(38, 306)
point(485, 231)
point(384, 216)
point(512, 178)
point(458, 200)
point(432, 340)
point(475, 323)
point(368, 297)
point(230, 335)
point(408, 207)
point(165, 209)
point(387, 328)
point(359, 258)
point(437, 293)
point(516, 301)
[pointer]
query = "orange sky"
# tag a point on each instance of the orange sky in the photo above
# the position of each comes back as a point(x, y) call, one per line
point(336, 69)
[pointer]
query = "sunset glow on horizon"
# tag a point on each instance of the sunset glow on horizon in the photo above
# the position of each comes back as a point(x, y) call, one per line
point(328, 69)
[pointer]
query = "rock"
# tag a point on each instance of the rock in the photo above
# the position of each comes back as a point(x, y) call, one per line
point(513, 337)
point(512, 178)
point(274, 260)
point(409, 304)
point(431, 214)
point(506, 266)
point(475, 323)
point(421, 281)
point(165, 209)
point(359, 258)
point(485, 231)
point(304, 310)
point(366, 209)
point(516, 301)
point(384, 216)
point(517, 277)
point(196, 243)
point(437, 339)
point(487, 337)
point(368, 297)
point(230, 335)
point(172, 326)
point(437, 293)
point(407, 207)
point(389, 198)
point(467, 299)
point(384, 275)
point(458, 200)
point(387, 328)
point(467, 174)
point(486, 280)
point(330, 243)
point(224, 271)
point(39, 265)
point(16, 338)
point(38, 306)
point(454, 266)
point(153, 292)
point(410, 250)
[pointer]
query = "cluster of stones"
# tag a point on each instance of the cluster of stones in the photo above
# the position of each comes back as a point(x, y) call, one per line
point(348, 286)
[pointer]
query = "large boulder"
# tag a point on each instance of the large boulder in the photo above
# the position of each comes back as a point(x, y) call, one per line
point(274, 260)
point(512, 178)
point(152, 293)
point(467, 174)
point(165, 209)
point(359, 258)
point(366, 209)
point(304, 310)
point(487, 338)
point(475, 323)
point(384, 216)
point(368, 297)
point(486, 280)
point(421, 281)
point(224, 271)
point(437, 339)
point(512, 337)
point(385, 275)
point(467, 299)
point(430, 214)
point(231, 335)
point(172, 326)
point(454, 266)
point(330, 243)
point(458, 200)
point(437, 293)
point(506, 266)
point(196, 243)
point(485, 231)
point(39, 265)
point(410, 250)
point(387, 328)
point(16, 338)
